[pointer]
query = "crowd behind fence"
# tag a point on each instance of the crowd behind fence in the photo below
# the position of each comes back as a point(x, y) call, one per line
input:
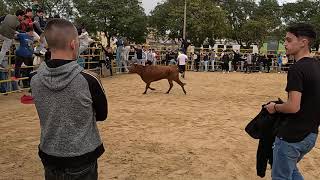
point(95, 59)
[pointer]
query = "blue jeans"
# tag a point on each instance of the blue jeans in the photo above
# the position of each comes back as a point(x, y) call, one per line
point(287, 155)
point(3, 86)
point(212, 65)
point(7, 86)
point(206, 63)
point(118, 53)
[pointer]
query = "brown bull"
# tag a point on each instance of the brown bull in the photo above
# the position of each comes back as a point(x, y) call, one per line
point(151, 74)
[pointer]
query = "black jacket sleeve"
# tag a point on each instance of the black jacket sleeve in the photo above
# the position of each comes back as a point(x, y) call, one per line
point(100, 104)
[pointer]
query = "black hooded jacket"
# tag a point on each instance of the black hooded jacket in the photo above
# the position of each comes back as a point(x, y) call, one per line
point(264, 127)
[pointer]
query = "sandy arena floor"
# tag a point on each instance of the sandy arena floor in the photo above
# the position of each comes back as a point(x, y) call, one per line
point(157, 136)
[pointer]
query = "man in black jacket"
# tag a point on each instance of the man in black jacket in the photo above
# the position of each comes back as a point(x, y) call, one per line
point(225, 61)
point(298, 132)
point(236, 59)
point(39, 23)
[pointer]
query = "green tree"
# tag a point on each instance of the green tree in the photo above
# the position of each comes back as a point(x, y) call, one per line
point(124, 18)
point(205, 19)
point(270, 10)
point(303, 11)
point(52, 7)
point(254, 32)
point(238, 14)
point(253, 23)
point(3, 8)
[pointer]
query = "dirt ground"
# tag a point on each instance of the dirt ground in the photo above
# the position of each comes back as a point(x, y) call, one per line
point(158, 136)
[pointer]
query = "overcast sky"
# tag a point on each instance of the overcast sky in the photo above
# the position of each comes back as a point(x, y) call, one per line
point(148, 5)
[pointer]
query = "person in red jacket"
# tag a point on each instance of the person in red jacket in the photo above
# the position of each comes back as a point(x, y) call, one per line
point(27, 21)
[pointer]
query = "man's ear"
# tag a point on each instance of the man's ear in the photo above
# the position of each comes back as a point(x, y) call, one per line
point(73, 44)
point(304, 42)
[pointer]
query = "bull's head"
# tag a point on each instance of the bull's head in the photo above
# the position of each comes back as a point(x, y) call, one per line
point(135, 68)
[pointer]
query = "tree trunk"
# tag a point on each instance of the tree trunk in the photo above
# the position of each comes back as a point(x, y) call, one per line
point(108, 38)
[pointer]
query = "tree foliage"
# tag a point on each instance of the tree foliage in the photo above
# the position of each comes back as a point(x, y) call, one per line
point(62, 8)
point(244, 21)
point(303, 11)
point(205, 20)
point(124, 18)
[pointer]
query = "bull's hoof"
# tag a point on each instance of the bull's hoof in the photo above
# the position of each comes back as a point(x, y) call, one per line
point(144, 93)
point(167, 92)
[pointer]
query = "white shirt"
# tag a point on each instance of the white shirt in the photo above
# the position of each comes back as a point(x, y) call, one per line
point(154, 55)
point(182, 58)
point(249, 59)
point(195, 56)
point(149, 56)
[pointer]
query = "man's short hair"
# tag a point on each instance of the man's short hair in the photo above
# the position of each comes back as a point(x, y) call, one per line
point(28, 10)
point(19, 12)
point(40, 11)
point(303, 30)
point(59, 32)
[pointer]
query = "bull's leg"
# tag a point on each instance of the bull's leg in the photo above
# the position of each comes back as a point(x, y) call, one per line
point(171, 85)
point(147, 87)
point(181, 84)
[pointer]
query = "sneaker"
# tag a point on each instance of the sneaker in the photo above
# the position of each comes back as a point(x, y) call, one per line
point(26, 99)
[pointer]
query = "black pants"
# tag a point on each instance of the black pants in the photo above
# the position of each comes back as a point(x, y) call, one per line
point(149, 62)
point(18, 62)
point(196, 65)
point(108, 65)
point(28, 61)
point(225, 66)
point(235, 65)
point(248, 67)
point(268, 67)
point(86, 172)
